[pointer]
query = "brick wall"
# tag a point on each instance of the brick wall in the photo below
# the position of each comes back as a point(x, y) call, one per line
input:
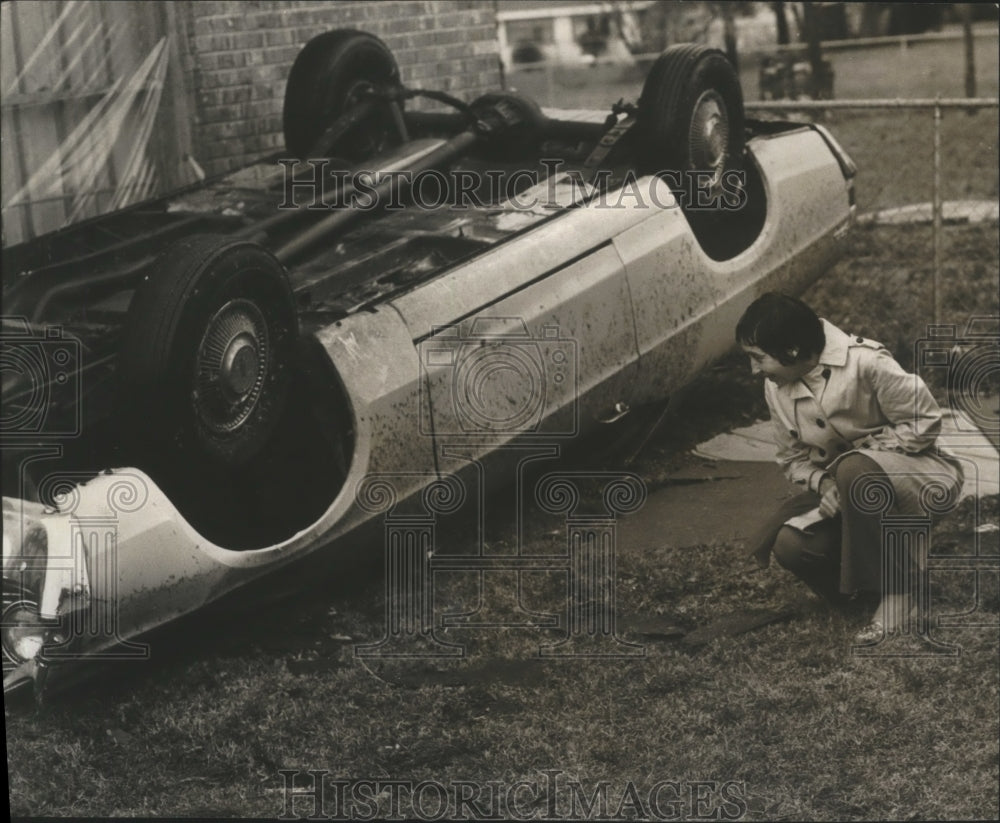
point(238, 54)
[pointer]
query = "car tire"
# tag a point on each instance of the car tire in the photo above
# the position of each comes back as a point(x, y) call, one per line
point(326, 79)
point(206, 354)
point(691, 113)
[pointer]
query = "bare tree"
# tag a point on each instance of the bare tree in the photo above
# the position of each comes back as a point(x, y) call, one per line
point(725, 11)
point(871, 17)
point(781, 21)
point(819, 83)
point(729, 34)
point(965, 10)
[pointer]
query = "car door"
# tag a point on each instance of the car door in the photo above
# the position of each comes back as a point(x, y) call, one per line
point(533, 340)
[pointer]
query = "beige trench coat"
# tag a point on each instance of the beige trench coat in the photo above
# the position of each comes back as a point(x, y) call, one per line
point(864, 401)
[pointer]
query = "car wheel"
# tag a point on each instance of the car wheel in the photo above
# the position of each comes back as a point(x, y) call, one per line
point(691, 113)
point(332, 73)
point(206, 351)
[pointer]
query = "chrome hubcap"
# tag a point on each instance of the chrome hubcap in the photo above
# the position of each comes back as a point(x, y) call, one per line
point(240, 366)
point(708, 137)
point(231, 366)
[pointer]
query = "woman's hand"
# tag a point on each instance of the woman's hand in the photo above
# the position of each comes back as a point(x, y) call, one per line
point(829, 503)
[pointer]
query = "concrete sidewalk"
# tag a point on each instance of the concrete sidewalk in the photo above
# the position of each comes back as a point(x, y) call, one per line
point(727, 501)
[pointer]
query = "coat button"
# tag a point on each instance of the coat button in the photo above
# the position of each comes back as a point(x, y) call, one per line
point(794, 434)
point(822, 452)
point(826, 374)
point(860, 339)
point(821, 422)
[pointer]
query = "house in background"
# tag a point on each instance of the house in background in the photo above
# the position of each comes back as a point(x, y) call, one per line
point(568, 31)
point(108, 103)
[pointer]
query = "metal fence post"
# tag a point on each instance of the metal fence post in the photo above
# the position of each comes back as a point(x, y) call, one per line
point(936, 206)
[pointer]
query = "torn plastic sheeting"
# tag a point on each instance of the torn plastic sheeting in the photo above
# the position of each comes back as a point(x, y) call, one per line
point(85, 152)
point(40, 49)
point(114, 132)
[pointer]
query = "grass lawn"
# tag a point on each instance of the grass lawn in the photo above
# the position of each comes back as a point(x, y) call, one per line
point(781, 723)
point(784, 718)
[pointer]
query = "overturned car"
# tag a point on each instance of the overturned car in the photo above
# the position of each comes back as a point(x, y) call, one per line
point(195, 389)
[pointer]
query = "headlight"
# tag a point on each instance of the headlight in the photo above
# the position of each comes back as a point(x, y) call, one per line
point(23, 632)
point(23, 635)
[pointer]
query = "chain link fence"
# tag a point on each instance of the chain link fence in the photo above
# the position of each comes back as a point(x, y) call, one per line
point(927, 179)
point(925, 247)
point(921, 270)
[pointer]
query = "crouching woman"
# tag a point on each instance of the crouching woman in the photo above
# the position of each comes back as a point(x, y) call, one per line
point(845, 414)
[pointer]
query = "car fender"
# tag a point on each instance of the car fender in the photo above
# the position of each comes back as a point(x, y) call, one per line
point(687, 304)
point(118, 546)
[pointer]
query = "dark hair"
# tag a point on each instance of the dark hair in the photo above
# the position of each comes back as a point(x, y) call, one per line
point(777, 324)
